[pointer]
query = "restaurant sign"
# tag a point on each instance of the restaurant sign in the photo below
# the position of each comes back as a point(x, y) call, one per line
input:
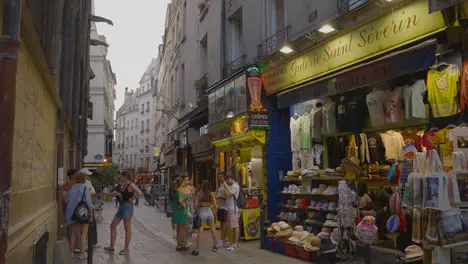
point(258, 114)
point(394, 29)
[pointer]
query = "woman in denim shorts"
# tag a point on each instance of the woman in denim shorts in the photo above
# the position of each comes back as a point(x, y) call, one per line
point(207, 202)
point(125, 212)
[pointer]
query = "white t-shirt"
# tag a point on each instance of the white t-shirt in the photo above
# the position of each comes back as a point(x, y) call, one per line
point(230, 203)
point(393, 106)
point(459, 138)
point(329, 118)
point(221, 193)
point(375, 104)
point(418, 110)
point(295, 126)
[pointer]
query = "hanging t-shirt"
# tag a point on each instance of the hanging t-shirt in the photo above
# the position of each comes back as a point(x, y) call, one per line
point(352, 113)
point(443, 86)
point(445, 146)
point(376, 147)
point(394, 143)
point(336, 150)
point(295, 127)
point(464, 87)
point(375, 103)
point(394, 107)
point(329, 118)
point(316, 124)
point(416, 108)
point(459, 138)
point(305, 136)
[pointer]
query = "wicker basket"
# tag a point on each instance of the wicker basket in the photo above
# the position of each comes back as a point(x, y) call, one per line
point(366, 236)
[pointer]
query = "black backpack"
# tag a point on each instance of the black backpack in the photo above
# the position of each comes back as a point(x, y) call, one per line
point(241, 201)
point(81, 213)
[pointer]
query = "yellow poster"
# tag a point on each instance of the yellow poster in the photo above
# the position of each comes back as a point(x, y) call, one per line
point(251, 220)
point(394, 29)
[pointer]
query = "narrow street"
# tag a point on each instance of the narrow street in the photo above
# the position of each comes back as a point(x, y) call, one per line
point(152, 243)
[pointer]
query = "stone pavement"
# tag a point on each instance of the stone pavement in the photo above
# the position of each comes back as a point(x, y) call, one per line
point(152, 243)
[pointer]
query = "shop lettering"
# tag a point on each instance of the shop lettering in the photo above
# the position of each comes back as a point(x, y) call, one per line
point(373, 35)
point(393, 29)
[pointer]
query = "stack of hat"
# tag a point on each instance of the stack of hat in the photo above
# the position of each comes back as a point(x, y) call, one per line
point(332, 220)
point(312, 243)
point(330, 190)
point(413, 253)
point(285, 231)
point(325, 232)
point(320, 189)
point(310, 217)
point(273, 229)
point(299, 235)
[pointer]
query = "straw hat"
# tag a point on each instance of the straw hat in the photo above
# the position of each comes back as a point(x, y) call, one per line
point(413, 253)
point(285, 230)
point(312, 244)
point(299, 236)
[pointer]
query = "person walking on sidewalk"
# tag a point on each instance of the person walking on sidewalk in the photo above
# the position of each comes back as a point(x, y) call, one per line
point(125, 213)
point(232, 189)
point(180, 214)
point(189, 194)
point(206, 200)
point(222, 213)
point(79, 211)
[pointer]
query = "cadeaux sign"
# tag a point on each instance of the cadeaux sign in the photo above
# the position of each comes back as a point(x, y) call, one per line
point(258, 114)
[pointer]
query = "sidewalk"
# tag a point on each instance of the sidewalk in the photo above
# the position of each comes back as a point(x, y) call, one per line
point(152, 243)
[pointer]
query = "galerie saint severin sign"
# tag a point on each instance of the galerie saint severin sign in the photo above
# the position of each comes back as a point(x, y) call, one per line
point(399, 27)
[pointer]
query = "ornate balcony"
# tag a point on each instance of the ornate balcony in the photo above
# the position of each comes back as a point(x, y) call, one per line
point(234, 65)
point(273, 43)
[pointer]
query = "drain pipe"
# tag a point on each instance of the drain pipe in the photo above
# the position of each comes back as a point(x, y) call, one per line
point(223, 39)
point(9, 47)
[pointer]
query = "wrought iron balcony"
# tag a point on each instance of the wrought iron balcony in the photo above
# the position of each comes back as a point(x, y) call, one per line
point(201, 85)
point(201, 145)
point(234, 65)
point(347, 6)
point(273, 43)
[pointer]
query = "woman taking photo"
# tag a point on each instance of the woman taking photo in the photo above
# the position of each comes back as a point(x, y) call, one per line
point(79, 198)
point(125, 212)
point(206, 201)
point(180, 214)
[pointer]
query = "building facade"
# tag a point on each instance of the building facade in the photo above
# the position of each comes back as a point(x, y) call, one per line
point(135, 125)
point(102, 97)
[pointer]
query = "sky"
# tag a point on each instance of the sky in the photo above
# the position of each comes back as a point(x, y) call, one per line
point(134, 38)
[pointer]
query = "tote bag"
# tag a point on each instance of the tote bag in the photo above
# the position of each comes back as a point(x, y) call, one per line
point(435, 184)
point(419, 167)
point(458, 184)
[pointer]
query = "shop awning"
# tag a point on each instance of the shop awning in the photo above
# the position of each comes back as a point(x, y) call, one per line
point(252, 138)
point(393, 65)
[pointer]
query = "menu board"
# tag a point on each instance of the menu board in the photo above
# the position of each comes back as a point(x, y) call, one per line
point(220, 104)
point(230, 98)
point(240, 94)
point(212, 107)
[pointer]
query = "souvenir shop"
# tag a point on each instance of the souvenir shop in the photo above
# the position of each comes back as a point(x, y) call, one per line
point(238, 131)
point(377, 149)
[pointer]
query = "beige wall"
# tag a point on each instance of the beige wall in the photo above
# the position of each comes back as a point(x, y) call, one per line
point(33, 208)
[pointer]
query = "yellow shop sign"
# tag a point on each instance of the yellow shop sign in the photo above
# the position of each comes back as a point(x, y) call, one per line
point(396, 28)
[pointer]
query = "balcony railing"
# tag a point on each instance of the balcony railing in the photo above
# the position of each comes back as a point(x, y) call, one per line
point(273, 43)
point(234, 65)
point(347, 6)
point(201, 85)
point(201, 145)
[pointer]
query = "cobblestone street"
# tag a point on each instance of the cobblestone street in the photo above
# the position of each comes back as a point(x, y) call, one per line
point(152, 243)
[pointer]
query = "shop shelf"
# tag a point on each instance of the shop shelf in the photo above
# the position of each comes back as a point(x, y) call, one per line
point(303, 254)
point(326, 178)
point(290, 250)
point(279, 246)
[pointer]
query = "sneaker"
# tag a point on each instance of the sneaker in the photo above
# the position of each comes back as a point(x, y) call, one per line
point(195, 253)
point(124, 252)
point(233, 247)
point(77, 250)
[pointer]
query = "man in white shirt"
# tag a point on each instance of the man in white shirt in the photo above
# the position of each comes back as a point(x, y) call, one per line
point(232, 190)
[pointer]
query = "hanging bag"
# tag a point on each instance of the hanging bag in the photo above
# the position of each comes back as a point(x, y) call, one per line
point(458, 182)
point(417, 175)
point(435, 183)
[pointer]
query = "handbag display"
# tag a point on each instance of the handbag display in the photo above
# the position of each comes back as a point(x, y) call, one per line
point(417, 175)
point(458, 185)
point(435, 184)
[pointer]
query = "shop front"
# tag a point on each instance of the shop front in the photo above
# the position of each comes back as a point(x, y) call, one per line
point(365, 113)
point(238, 130)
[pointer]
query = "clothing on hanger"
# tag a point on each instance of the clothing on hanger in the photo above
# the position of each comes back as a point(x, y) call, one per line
point(305, 132)
point(394, 144)
point(464, 87)
point(443, 86)
point(414, 102)
point(329, 118)
point(376, 147)
point(376, 105)
point(394, 107)
point(295, 127)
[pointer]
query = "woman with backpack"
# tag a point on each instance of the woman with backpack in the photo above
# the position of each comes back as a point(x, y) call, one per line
point(206, 201)
point(79, 211)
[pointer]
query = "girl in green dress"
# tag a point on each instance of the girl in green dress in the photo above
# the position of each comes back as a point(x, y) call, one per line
point(180, 215)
